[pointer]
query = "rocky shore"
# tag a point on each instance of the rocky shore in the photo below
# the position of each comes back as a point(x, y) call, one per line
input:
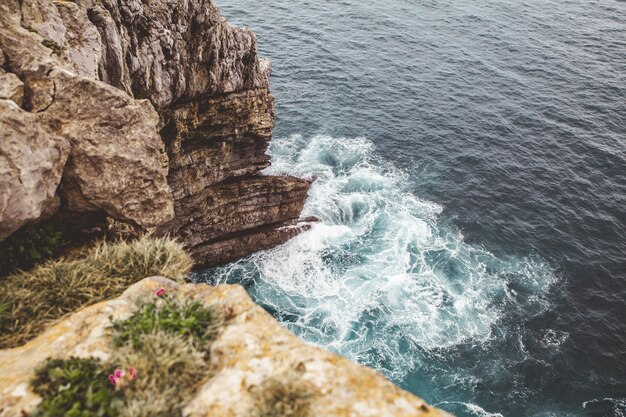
point(154, 116)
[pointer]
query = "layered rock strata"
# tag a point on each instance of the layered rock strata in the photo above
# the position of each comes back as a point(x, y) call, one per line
point(250, 348)
point(160, 114)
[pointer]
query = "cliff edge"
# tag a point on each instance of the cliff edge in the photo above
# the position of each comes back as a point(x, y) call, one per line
point(248, 350)
point(157, 114)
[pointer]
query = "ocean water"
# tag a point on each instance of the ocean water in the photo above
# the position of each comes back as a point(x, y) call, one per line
point(471, 184)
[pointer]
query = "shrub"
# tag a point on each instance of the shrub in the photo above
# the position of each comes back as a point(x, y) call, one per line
point(190, 319)
point(75, 388)
point(30, 245)
point(59, 287)
point(284, 396)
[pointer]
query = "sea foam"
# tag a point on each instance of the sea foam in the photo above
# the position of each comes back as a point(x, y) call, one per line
point(380, 278)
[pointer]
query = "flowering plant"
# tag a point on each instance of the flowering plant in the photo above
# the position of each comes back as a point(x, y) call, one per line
point(120, 376)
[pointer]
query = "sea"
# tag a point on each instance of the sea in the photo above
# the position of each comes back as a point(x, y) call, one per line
point(470, 165)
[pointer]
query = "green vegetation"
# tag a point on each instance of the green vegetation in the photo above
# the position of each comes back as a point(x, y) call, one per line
point(191, 319)
point(171, 368)
point(56, 48)
point(32, 244)
point(167, 345)
point(75, 388)
point(284, 396)
point(56, 288)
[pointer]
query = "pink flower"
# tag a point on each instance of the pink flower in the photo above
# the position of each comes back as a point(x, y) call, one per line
point(120, 377)
point(113, 379)
point(160, 292)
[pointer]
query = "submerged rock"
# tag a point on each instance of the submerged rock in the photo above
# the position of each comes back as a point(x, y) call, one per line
point(250, 349)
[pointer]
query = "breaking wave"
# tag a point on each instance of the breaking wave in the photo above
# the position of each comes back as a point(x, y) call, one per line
point(381, 278)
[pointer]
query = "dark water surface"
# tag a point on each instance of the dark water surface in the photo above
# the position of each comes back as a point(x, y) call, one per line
point(471, 159)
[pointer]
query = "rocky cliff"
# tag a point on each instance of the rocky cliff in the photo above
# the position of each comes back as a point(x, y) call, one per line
point(249, 349)
point(157, 114)
point(154, 113)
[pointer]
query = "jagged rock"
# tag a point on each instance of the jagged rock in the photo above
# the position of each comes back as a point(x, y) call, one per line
point(117, 161)
point(217, 138)
point(249, 349)
point(224, 209)
point(11, 88)
point(233, 218)
point(31, 164)
point(82, 44)
point(205, 79)
point(174, 50)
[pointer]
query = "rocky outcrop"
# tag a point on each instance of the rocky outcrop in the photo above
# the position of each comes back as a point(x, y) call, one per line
point(250, 348)
point(117, 162)
point(217, 146)
point(206, 79)
point(31, 164)
point(94, 72)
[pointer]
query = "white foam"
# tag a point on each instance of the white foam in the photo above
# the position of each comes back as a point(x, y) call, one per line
point(472, 408)
point(379, 276)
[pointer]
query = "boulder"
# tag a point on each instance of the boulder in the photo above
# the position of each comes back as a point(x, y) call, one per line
point(31, 164)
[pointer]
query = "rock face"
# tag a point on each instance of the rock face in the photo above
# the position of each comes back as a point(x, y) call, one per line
point(249, 349)
point(31, 164)
point(93, 72)
point(117, 162)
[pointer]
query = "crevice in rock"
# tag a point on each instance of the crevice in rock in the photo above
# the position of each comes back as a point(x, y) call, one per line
point(52, 97)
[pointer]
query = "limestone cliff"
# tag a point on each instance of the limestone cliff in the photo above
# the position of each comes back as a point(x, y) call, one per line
point(155, 113)
point(249, 348)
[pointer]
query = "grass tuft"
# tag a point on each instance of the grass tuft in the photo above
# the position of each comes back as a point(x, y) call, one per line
point(56, 288)
point(284, 396)
point(148, 256)
point(170, 369)
point(190, 319)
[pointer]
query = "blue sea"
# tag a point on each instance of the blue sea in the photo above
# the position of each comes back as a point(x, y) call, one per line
point(471, 184)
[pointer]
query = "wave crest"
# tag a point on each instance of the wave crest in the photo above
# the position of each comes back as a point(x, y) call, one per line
point(380, 278)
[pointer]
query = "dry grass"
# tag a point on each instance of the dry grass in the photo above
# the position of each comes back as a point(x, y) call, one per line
point(56, 288)
point(170, 368)
point(283, 396)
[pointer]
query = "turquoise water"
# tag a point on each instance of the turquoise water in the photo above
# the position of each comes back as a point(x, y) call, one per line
point(471, 185)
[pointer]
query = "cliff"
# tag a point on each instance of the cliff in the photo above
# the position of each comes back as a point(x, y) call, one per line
point(248, 349)
point(157, 114)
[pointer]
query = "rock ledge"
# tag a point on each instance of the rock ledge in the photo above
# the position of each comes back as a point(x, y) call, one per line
point(250, 348)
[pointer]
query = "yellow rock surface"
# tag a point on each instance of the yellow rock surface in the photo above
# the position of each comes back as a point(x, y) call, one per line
point(250, 348)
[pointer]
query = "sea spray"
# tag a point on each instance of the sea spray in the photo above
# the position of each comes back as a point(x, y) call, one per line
point(381, 278)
